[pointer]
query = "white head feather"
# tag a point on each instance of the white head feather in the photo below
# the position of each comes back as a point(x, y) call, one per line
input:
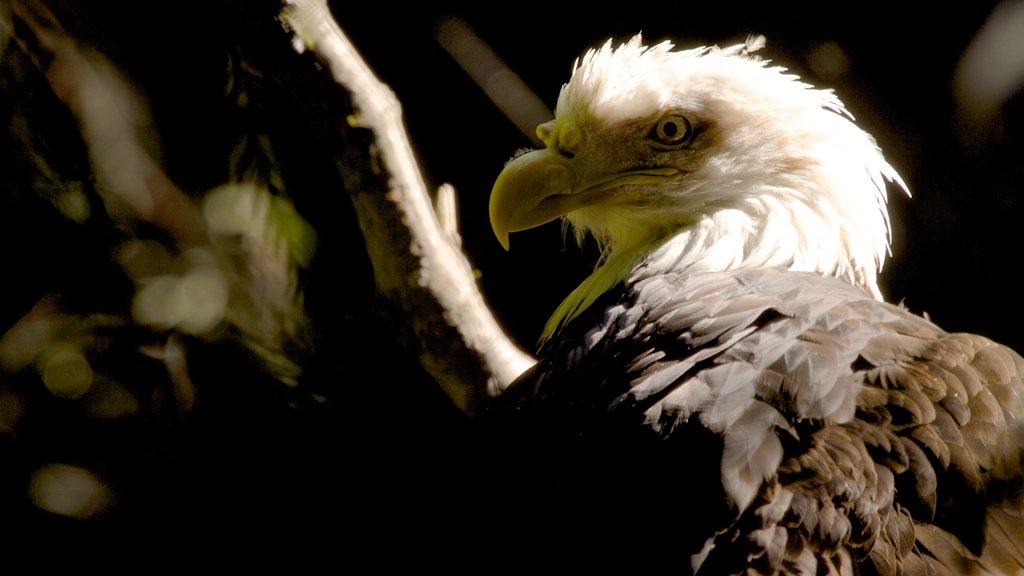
point(786, 179)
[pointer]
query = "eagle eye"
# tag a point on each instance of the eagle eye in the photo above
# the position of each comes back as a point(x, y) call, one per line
point(672, 131)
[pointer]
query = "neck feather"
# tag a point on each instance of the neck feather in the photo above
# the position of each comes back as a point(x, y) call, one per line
point(771, 230)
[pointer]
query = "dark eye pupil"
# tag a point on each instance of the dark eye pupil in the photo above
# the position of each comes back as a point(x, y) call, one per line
point(671, 131)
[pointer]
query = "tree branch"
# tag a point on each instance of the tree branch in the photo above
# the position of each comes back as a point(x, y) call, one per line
point(421, 270)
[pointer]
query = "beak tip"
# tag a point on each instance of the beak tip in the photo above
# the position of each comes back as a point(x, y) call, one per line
point(502, 239)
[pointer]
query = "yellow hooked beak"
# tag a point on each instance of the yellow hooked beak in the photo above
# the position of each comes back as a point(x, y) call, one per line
point(533, 189)
point(542, 185)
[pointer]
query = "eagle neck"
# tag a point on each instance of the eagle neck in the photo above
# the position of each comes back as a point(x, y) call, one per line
point(768, 225)
point(613, 270)
point(773, 229)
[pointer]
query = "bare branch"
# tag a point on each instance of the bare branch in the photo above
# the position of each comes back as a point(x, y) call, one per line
point(429, 279)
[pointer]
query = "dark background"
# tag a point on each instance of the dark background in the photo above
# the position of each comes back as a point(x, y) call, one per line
point(386, 457)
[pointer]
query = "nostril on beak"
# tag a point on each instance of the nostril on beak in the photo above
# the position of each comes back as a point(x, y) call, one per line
point(569, 139)
point(545, 130)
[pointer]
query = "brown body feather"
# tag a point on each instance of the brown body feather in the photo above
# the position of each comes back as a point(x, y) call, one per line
point(853, 437)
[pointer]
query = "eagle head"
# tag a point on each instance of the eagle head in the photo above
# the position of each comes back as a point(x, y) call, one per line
point(707, 159)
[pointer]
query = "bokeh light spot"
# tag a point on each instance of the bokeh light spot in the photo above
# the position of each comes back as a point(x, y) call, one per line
point(235, 208)
point(155, 303)
point(69, 491)
point(203, 299)
point(74, 204)
point(828, 61)
point(65, 371)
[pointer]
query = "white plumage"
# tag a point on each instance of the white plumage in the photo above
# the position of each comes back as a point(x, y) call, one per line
point(780, 175)
point(735, 319)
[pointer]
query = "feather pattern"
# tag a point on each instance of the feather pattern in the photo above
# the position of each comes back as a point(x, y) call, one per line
point(835, 449)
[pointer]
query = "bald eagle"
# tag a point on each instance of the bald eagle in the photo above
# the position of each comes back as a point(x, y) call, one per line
point(730, 372)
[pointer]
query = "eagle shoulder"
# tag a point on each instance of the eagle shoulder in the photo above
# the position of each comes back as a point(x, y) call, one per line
point(810, 427)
